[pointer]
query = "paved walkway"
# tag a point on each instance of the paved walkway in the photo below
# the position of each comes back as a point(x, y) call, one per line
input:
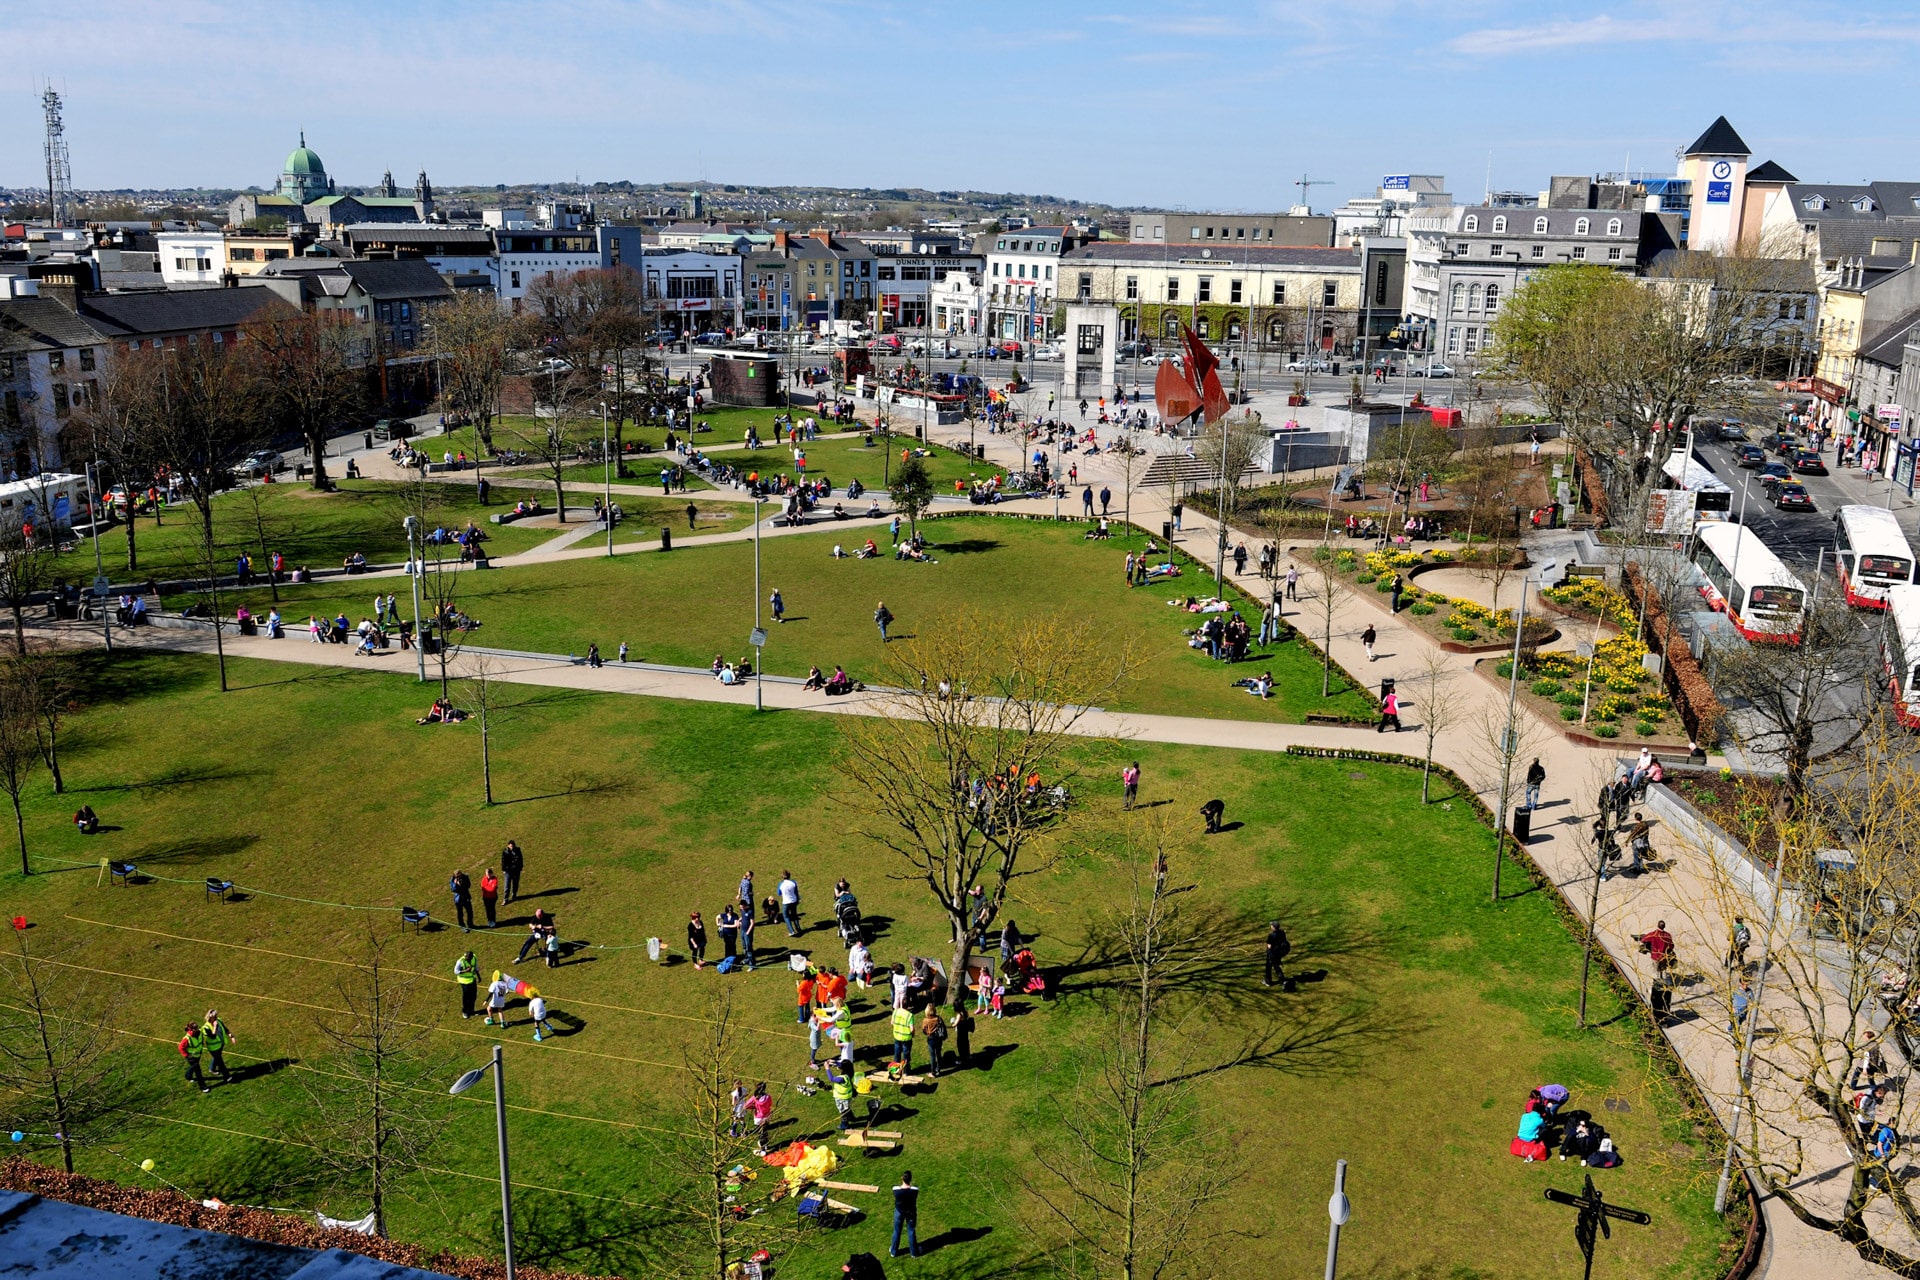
point(1687, 893)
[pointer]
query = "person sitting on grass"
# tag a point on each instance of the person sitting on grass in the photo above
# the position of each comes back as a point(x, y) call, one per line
point(86, 820)
point(1260, 686)
point(867, 552)
point(441, 712)
point(814, 679)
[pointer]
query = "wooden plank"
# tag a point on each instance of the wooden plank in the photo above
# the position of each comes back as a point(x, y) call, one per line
point(847, 1186)
point(881, 1133)
point(841, 1205)
point(856, 1140)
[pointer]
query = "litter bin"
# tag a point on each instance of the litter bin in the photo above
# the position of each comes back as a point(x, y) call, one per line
point(666, 538)
point(1522, 824)
point(1386, 687)
point(1166, 530)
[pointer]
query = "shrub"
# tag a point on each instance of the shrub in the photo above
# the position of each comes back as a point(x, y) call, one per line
point(1607, 730)
point(1421, 607)
point(1569, 698)
point(1364, 578)
point(1570, 713)
point(1545, 688)
point(1646, 729)
point(1504, 668)
point(1384, 585)
point(1465, 634)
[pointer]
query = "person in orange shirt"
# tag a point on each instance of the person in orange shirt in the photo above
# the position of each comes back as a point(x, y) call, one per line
point(804, 996)
point(490, 895)
point(831, 987)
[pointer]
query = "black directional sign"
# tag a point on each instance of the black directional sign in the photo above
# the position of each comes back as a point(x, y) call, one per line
point(1594, 1213)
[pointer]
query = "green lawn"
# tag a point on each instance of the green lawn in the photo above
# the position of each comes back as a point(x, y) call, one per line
point(306, 526)
point(851, 458)
point(641, 470)
point(1411, 1058)
point(686, 606)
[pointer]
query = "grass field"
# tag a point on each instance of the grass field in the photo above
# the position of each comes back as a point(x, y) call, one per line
point(305, 525)
point(685, 606)
point(1437, 1012)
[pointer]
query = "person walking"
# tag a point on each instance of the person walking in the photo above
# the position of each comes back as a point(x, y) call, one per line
point(693, 514)
point(537, 1010)
point(593, 655)
point(728, 923)
point(192, 1045)
point(462, 889)
point(882, 618)
point(1742, 1001)
point(623, 651)
point(1367, 638)
point(746, 934)
point(498, 992)
point(216, 1037)
point(1240, 560)
point(511, 862)
point(1737, 944)
point(746, 887)
point(1278, 949)
point(1129, 785)
point(466, 973)
point(902, 1024)
point(1293, 582)
point(1536, 776)
point(490, 897)
point(760, 1111)
point(1086, 501)
point(1389, 713)
point(788, 891)
point(906, 1213)
point(962, 1035)
point(1106, 497)
point(778, 606)
point(933, 1029)
point(697, 940)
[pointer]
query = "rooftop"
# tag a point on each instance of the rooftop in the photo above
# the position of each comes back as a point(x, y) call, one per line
point(1719, 140)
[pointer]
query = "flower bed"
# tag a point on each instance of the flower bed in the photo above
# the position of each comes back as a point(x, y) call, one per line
point(1624, 700)
point(1459, 624)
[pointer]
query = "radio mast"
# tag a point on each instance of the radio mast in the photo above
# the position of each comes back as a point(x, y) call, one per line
point(59, 172)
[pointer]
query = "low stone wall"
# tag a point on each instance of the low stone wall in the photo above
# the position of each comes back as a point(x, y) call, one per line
point(1748, 874)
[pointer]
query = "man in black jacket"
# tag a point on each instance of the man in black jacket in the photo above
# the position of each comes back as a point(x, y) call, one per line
point(906, 1213)
point(511, 862)
point(1277, 950)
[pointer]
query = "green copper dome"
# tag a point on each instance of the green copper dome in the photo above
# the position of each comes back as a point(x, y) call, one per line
point(303, 161)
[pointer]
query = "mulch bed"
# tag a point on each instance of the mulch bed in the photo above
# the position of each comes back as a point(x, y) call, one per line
point(20, 1174)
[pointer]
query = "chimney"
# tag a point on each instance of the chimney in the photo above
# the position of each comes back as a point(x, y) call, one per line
point(780, 241)
point(823, 235)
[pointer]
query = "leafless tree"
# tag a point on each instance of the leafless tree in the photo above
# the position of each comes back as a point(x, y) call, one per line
point(312, 376)
point(19, 745)
point(1440, 704)
point(26, 569)
point(55, 1029)
point(47, 677)
point(470, 337)
point(120, 426)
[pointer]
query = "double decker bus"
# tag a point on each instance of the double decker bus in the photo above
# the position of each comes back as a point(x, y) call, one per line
point(1871, 554)
point(1900, 651)
point(1747, 582)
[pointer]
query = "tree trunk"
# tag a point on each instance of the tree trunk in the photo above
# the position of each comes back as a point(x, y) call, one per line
point(133, 556)
point(52, 754)
point(962, 952)
point(486, 756)
point(1426, 775)
point(20, 830)
point(19, 628)
point(317, 445)
point(559, 491)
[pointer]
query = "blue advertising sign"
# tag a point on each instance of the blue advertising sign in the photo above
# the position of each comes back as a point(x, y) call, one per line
point(1719, 193)
point(1397, 182)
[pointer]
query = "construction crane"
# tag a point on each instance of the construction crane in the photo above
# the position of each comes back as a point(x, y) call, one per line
point(59, 173)
point(1303, 182)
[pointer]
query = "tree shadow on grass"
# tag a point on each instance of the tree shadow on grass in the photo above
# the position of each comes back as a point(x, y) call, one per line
point(180, 776)
point(198, 849)
point(573, 1233)
point(312, 675)
point(969, 546)
point(577, 785)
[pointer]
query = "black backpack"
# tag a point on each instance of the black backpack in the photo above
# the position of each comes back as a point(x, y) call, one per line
point(1279, 946)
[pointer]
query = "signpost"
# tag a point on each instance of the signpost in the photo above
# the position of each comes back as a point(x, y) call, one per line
point(1592, 1222)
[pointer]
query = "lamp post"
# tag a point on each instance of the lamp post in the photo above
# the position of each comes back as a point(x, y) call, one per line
point(1508, 740)
point(606, 461)
point(759, 636)
point(412, 526)
point(100, 583)
point(1339, 1210)
point(459, 1087)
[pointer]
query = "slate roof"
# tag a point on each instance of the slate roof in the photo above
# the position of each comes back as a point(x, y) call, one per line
point(42, 324)
point(1224, 255)
point(1888, 346)
point(1720, 139)
point(1770, 171)
point(397, 278)
point(137, 315)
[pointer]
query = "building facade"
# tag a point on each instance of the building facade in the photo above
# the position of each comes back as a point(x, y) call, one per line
point(1022, 279)
point(1303, 230)
point(906, 264)
point(50, 365)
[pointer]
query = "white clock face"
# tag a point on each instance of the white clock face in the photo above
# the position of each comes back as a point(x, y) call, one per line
point(1721, 169)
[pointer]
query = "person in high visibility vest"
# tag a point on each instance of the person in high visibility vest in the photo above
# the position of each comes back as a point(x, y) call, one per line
point(841, 1078)
point(466, 972)
point(216, 1037)
point(192, 1045)
point(903, 1038)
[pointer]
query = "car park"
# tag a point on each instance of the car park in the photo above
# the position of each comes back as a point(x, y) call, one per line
point(1807, 463)
point(1750, 455)
point(1790, 495)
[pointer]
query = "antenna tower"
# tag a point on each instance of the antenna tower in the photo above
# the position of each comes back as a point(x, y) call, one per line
point(59, 172)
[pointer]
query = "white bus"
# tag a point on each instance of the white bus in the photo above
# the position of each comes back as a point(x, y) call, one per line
point(1712, 499)
point(1900, 650)
point(1747, 582)
point(1871, 553)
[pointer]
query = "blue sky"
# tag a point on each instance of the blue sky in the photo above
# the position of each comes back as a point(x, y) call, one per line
point(1203, 105)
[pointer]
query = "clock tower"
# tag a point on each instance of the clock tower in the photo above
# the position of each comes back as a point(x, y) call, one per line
point(1716, 167)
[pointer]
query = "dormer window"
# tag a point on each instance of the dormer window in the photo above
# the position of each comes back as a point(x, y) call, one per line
point(1613, 226)
point(1580, 226)
point(1862, 204)
point(1472, 223)
point(1814, 203)
point(1500, 223)
point(1539, 226)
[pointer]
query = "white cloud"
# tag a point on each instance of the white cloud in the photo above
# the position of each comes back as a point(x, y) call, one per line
point(1560, 35)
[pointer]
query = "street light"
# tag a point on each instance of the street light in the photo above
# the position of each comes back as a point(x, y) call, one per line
point(412, 525)
point(1339, 1210)
point(759, 636)
point(459, 1087)
point(1508, 739)
point(606, 460)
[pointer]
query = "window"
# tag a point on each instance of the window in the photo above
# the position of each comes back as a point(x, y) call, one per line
point(1473, 297)
point(1453, 340)
point(1279, 293)
point(1234, 292)
point(1579, 253)
point(1205, 292)
point(1495, 251)
point(6, 364)
point(1209, 233)
point(1462, 249)
point(1173, 288)
point(1613, 226)
point(1049, 273)
point(1172, 326)
point(1473, 340)
point(1276, 331)
point(1613, 254)
point(240, 255)
point(1540, 226)
point(1581, 225)
point(1239, 233)
point(1862, 204)
point(1203, 329)
point(516, 280)
point(1329, 293)
point(60, 405)
point(1233, 329)
point(1086, 285)
point(1459, 297)
point(1539, 251)
point(886, 271)
point(996, 270)
point(1139, 231)
point(1500, 224)
point(386, 312)
point(1493, 297)
point(56, 361)
point(1000, 244)
point(86, 359)
point(1471, 224)
point(1133, 288)
point(1195, 234)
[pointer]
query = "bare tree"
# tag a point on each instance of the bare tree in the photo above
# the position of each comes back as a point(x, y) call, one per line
point(312, 374)
point(26, 569)
point(481, 693)
point(1439, 701)
point(376, 1108)
point(265, 527)
point(599, 321)
point(553, 435)
point(418, 502)
point(1325, 601)
point(982, 704)
point(120, 424)
point(54, 1034)
point(1128, 1187)
point(1500, 742)
point(19, 745)
point(47, 677)
point(470, 336)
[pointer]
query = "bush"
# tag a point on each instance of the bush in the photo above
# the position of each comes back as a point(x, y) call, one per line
point(1646, 729)
point(1466, 634)
point(1364, 578)
point(1569, 698)
point(1420, 607)
point(1570, 713)
point(1545, 688)
point(1607, 730)
point(1504, 668)
point(1384, 585)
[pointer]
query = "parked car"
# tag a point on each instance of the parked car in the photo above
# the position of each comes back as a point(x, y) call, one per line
point(1783, 443)
point(1131, 350)
point(1733, 431)
point(987, 353)
point(1808, 463)
point(822, 349)
point(1774, 473)
point(1436, 370)
point(1047, 352)
point(392, 429)
point(1309, 366)
point(553, 364)
point(1750, 455)
point(1791, 496)
point(259, 463)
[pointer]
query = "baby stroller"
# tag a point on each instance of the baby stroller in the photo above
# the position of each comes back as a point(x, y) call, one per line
point(847, 911)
